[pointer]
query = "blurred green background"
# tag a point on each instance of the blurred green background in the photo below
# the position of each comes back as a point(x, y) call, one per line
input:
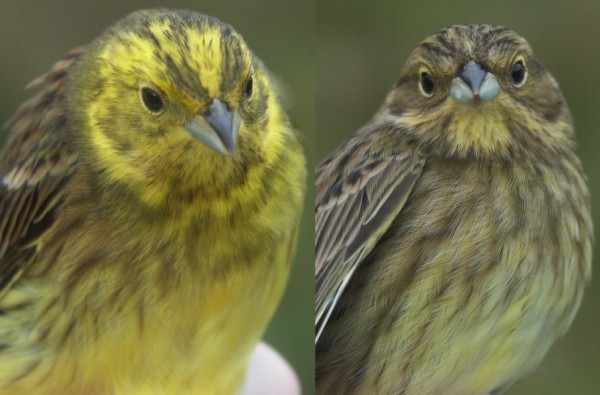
point(35, 34)
point(361, 48)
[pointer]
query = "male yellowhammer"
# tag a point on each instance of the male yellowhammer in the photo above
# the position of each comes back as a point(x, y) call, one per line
point(149, 201)
point(454, 236)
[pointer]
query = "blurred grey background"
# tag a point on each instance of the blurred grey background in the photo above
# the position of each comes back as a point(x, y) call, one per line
point(35, 34)
point(361, 48)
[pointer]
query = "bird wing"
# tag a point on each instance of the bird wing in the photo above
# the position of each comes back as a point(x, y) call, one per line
point(34, 167)
point(360, 189)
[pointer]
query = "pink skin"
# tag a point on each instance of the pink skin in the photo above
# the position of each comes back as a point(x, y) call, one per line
point(269, 374)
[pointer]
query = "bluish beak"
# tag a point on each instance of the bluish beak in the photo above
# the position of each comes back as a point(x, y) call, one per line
point(217, 127)
point(474, 85)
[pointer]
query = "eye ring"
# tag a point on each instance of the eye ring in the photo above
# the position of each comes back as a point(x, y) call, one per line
point(518, 73)
point(426, 84)
point(152, 99)
point(248, 88)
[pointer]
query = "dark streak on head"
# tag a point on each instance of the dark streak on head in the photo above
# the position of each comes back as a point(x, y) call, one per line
point(149, 34)
point(435, 50)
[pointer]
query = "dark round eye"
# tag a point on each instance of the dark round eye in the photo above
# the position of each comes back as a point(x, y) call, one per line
point(518, 72)
point(248, 89)
point(152, 99)
point(427, 84)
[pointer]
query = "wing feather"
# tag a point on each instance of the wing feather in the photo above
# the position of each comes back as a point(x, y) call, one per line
point(361, 188)
point(35, 165)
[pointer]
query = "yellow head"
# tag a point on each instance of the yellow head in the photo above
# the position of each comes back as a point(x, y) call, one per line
point(171, 103)
point(478, 91)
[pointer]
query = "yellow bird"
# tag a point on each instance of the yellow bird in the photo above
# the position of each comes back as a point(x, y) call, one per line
point(150, 196)
point(454, 236)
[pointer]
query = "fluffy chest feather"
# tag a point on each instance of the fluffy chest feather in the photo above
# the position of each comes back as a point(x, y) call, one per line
point(468, 276)
point(164, 312)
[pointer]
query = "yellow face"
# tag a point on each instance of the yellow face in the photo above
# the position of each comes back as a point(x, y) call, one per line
point(477, 91)
point(171, 99)
point(187, 61)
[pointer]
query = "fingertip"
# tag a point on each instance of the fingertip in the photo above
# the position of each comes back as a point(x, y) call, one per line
point(269, 374)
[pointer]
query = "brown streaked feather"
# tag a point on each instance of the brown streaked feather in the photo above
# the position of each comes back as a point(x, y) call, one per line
point(34, 167)
point(359, 191)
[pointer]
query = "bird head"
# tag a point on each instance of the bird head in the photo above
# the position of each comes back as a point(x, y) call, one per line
point(171, 100)
point(478, 91)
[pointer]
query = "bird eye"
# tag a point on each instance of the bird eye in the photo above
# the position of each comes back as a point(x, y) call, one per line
point(426, 84)
point(152, 99)
point(249, 85)
point(518, 73)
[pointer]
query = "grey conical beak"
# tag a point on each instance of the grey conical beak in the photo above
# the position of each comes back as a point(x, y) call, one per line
point(474, 84)
point(217, 127)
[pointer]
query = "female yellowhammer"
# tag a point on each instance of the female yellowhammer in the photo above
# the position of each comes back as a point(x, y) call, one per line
point(454, 235)
point(149, 200)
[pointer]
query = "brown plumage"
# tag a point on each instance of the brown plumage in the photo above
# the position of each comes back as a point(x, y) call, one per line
point(453, 231)
point(34, 166)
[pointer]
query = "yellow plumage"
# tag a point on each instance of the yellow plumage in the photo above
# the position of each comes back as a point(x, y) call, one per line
point(146, 260)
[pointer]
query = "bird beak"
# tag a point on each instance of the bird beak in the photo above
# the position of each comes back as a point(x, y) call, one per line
point(474, 85)
point(217, 127)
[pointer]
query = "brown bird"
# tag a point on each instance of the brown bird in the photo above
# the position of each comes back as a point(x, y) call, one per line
point(453, 231)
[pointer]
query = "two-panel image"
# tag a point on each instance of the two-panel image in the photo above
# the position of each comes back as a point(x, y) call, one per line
point(299, 198)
